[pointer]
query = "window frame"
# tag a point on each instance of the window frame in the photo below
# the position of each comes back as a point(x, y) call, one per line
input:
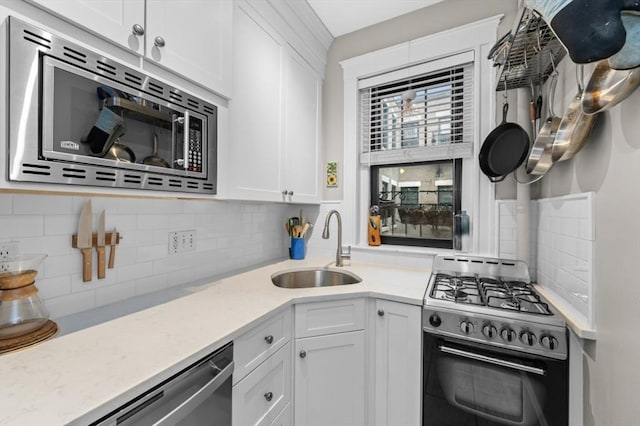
point(479, 199)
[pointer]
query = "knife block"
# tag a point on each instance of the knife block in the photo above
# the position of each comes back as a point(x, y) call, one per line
point(111, 239)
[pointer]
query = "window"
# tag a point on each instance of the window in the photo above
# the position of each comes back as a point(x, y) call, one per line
point(414, 132)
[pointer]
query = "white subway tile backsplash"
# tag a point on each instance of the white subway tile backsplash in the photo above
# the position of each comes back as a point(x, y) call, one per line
point(229, 236)
point(564, 230)
point(16, 227)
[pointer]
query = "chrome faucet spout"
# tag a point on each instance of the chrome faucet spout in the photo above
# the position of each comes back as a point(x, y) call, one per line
point(340, 255)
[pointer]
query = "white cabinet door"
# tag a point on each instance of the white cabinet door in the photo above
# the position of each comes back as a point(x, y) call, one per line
point(397, 365)
point(303, 90)
point(192, 38)
point(113, 19)
point(256, 115)
point(330, 380)
point(275, 116)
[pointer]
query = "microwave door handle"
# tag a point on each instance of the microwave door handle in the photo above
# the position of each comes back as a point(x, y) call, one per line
point(186, 140)
point(491, 360)
point(197, 398)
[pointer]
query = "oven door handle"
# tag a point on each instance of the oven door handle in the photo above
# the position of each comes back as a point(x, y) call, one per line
point(495, 361)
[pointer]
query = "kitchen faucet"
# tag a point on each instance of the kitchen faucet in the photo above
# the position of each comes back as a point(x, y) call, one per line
point(340, 255)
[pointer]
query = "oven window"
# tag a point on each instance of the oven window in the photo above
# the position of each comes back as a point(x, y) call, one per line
point(471, 390)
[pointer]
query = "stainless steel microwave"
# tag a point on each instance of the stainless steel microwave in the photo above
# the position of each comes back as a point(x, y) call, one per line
point(78, 118)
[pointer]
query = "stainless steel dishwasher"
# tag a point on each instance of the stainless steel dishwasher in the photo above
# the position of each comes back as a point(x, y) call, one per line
point(198, 395)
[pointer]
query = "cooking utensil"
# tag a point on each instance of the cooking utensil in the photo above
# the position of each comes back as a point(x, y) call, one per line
point(84, 239)
point(504, 149)
point(575, 126)
point(629, 56)
point(305, 228)
point(121, 152)
point(154, 160)
point(539, 161)
point(100, 246)
point(112, 252)
point(608, 87)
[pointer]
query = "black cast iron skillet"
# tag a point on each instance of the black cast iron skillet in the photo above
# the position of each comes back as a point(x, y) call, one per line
point(504, 149)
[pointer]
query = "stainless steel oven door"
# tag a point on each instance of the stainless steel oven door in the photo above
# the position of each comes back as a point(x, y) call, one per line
point(468, 384)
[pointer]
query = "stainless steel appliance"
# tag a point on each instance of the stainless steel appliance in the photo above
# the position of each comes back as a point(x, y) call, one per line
point(198, 395)
point(495, 352)
point(76, 117)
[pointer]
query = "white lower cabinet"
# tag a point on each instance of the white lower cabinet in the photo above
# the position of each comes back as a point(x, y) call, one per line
point(397, 364)
point(329, 368)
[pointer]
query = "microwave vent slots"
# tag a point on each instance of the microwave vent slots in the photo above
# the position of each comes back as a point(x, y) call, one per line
point(174, 183)
point(208, 109)
point(193, 185)
point(109, 69)
point(156, 88)
point(74, 54)
point(192, 103)
point(106, 176)
point(68, 172)
point(132, 78)
point(36, 169)
point(37, 39)
point(175, 96)
point(156, 181)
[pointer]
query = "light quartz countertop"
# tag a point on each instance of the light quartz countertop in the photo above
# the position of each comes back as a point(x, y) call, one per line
point(79, 377)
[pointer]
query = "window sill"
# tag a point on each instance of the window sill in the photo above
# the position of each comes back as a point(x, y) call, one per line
point(400, 250)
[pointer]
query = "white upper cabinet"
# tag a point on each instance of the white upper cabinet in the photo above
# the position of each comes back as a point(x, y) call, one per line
point(117, 20)
point(275, 116)
point(192, 38)
point(302, 130)
point(189, 37)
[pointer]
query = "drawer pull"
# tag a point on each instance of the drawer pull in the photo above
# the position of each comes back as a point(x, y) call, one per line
point(268, 339)
point(268, 396)
point(303, 354)
point(380, 312)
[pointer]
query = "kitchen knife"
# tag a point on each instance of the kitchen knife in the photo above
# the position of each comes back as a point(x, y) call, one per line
point(84, 240)
point(112, 252)
point(100, 246)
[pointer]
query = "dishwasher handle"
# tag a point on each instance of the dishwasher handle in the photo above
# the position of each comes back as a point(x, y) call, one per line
point(198, 397)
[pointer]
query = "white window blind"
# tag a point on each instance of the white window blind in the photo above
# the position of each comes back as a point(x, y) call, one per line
point(420, 117)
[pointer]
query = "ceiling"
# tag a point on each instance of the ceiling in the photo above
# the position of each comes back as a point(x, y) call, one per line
point(345, 16)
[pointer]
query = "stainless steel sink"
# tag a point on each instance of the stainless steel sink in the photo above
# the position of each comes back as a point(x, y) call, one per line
point(313, 277)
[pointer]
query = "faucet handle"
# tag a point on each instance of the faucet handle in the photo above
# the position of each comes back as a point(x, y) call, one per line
point(345, 254)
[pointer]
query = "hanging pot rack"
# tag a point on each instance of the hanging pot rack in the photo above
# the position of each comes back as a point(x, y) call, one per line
point(527, 55)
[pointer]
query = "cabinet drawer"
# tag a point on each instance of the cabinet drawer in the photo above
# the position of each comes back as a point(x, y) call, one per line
point(262, 395)
point(337, 316)
point(257, 344)
point(285, 418)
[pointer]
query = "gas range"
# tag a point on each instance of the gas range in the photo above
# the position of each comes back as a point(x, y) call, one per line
point(491, 301)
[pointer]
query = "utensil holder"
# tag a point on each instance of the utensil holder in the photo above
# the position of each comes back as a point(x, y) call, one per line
point(298, 248)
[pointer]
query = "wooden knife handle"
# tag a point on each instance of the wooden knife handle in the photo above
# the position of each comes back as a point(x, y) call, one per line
point(101, 264)
point(87, 260)
point(112, 256)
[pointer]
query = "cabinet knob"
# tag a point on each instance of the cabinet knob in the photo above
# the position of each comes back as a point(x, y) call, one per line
point(268, 396)
point(380, 312)
point(268, 339)
point(138, 30)
point(285, 192)
point(290, 193)
point(303, 353)
point(158, 41)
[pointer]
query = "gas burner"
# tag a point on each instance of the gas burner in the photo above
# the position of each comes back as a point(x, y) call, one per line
point(455, 294)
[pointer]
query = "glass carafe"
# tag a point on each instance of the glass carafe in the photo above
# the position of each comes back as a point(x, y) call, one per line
point(21, 309)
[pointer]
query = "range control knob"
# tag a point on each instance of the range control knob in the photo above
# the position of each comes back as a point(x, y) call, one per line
point(528, 338)
point(549, 342)
point(466, 327)
point(489, 331)
point(508, 334)
point(435, 320)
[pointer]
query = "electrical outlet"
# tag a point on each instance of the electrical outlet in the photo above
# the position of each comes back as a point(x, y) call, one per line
point(182, 241)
